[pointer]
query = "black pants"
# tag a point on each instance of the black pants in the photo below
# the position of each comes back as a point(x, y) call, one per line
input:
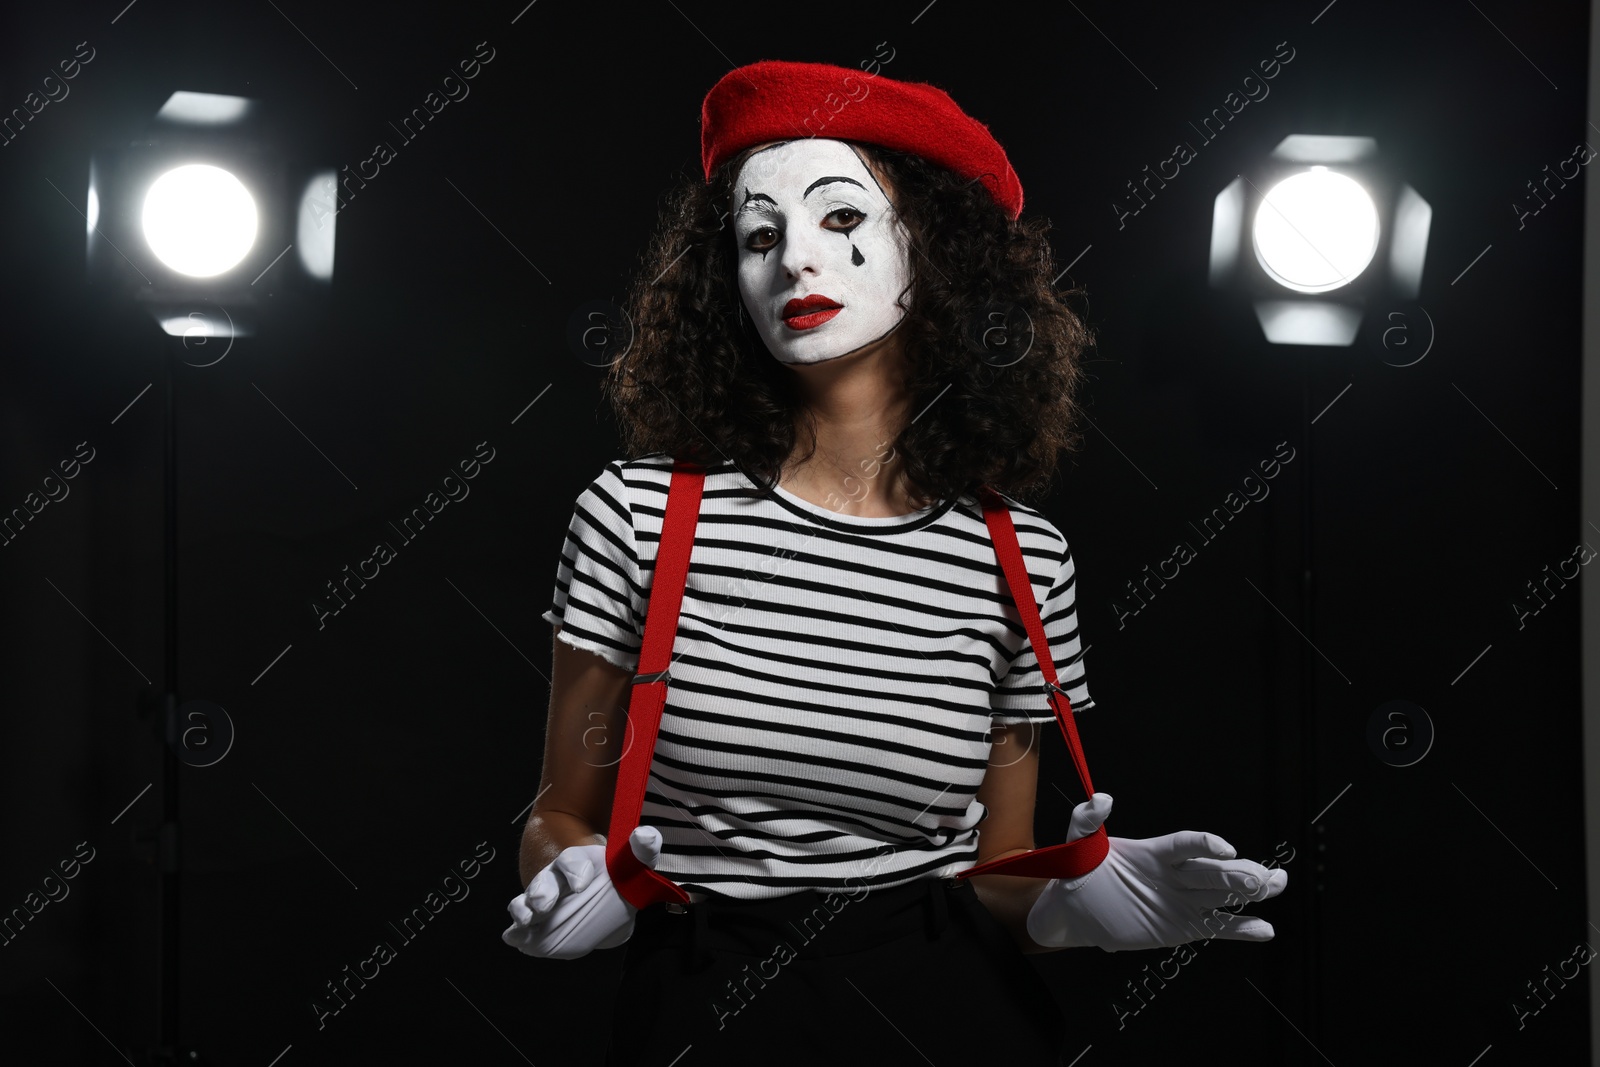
point(920, 973)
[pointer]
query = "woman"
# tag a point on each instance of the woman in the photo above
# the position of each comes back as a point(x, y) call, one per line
point(851, 333)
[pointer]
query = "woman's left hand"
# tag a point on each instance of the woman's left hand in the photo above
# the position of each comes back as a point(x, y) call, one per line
point(1152, 892)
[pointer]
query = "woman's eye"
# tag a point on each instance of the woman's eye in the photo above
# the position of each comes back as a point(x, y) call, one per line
point(848, 218)
point(762, 239)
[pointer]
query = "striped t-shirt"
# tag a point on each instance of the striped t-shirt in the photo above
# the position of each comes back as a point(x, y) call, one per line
point(833, 680)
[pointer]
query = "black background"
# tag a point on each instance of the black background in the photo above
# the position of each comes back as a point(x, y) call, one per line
point(408, 729)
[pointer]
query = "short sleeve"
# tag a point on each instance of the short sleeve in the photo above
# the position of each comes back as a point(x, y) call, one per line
point(599, 601)
point(1020, 696)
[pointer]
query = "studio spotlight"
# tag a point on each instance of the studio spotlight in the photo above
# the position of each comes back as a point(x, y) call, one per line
point(192, 217)
point(1328, 223)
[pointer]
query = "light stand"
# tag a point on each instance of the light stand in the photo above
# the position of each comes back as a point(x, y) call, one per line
point(166, 835)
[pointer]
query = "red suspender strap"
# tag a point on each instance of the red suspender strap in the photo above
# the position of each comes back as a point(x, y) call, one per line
point(1073, 858)
point(638, 884)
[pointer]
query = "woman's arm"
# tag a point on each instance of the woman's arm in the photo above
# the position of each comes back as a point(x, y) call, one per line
point(1009, 790)
point(582, 747)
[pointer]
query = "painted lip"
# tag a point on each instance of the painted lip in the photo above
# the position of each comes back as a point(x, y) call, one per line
point(809, 312)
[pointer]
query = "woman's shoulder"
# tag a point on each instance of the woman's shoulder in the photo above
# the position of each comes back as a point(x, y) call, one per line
point(1037, 533)
point(643, 481)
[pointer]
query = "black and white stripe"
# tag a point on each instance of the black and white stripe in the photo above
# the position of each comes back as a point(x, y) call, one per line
point(834, 678)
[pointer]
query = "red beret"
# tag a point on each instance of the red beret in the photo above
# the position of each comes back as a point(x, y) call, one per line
point(776, 100)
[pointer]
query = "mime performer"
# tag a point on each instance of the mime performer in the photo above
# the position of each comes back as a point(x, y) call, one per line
point(847, 334)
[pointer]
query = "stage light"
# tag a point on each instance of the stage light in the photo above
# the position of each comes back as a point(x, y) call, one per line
point(1330, 229)
point(1315, 231)
point(200, 220)
point(193, 217)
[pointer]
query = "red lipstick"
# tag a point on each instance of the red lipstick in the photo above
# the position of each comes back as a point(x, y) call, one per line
point(811, 311)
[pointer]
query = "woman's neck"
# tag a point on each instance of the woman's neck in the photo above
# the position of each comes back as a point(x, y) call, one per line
point(859, 405)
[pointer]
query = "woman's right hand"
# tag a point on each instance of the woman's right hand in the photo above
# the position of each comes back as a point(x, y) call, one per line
point(571, 908)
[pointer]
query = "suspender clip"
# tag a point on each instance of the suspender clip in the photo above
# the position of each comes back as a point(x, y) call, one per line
point(653, 676)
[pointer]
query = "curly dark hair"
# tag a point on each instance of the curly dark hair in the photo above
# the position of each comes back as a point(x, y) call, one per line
point(698, 383)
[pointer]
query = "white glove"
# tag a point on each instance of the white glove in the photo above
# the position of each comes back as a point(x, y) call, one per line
point(1152, 892)
point(571, 908)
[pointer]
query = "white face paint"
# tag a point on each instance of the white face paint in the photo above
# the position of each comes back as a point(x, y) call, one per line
point(814, 228)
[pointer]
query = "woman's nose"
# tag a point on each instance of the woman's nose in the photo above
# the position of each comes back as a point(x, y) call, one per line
point(803, 250)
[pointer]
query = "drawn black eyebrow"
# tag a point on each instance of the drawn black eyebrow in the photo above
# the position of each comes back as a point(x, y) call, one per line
point(825, 181)
point(749, 196)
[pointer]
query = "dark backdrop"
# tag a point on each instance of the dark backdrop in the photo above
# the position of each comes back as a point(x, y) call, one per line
point(374, 754)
